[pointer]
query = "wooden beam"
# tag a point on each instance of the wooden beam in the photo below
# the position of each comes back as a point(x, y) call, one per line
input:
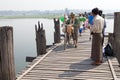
point(112, 69)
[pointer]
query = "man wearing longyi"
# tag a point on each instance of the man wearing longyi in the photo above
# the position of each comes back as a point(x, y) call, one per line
point(96, 31)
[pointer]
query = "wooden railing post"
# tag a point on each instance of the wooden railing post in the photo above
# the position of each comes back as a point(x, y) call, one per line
point(57, 31)
point(40, 39)
point(116, 47)
point(7, 67)
point(111, 39)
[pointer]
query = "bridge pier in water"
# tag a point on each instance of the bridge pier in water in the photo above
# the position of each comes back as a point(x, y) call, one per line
point(40, 39)
point(7, 66)
point(57, 30)
point(116, 42)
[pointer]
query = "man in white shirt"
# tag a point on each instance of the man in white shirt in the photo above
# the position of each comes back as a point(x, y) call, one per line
point(96, 31)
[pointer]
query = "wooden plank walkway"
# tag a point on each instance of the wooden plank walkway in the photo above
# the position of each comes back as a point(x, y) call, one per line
point(70, 64)
point(116, 67)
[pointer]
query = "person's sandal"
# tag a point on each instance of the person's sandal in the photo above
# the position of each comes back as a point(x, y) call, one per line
point(96, 63)
point(75, 46)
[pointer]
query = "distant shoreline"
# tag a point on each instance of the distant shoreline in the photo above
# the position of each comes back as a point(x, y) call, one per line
point(30, 16)
point(109, 16)
point(42, 16)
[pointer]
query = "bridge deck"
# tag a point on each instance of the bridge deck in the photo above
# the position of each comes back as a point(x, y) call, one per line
point(72, 63)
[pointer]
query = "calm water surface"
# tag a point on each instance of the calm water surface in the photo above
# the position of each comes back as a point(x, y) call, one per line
point(24, 37)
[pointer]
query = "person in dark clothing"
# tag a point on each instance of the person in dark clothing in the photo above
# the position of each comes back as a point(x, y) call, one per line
point(103, 31)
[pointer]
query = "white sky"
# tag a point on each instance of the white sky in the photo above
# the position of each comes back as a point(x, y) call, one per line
point(58, 4)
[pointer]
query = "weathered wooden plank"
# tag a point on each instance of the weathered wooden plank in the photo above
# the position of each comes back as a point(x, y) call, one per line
point(49, 78)
point(76, 73)
point(69, 62)
point(69, 75)
point(116, 67)
point(84, 72)
point(32, 77)
point(112, 70)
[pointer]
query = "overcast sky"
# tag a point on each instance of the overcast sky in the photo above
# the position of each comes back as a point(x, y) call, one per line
point(58, 4)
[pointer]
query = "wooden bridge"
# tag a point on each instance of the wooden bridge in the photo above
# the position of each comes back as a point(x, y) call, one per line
point(71, 64)
point(57, 63)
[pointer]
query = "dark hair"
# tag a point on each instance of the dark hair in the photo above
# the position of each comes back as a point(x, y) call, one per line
point(72, 14)
point(95, 11)
point(100, 12)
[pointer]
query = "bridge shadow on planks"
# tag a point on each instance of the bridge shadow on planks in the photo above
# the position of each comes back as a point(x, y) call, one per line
point(77, 69)
point(61, 47)
point(84, 41)
point(68, 46)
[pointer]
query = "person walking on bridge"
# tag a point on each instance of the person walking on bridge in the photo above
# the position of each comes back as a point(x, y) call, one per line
point(75, 24)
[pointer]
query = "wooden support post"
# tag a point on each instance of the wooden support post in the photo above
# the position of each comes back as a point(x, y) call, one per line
point(57, 31)
point(30, 59)
point(7, 67)
point(40, 39)
point(116, 47)
point(111, 39)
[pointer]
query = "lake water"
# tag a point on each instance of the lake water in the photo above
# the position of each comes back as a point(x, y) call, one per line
point(24, 37)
